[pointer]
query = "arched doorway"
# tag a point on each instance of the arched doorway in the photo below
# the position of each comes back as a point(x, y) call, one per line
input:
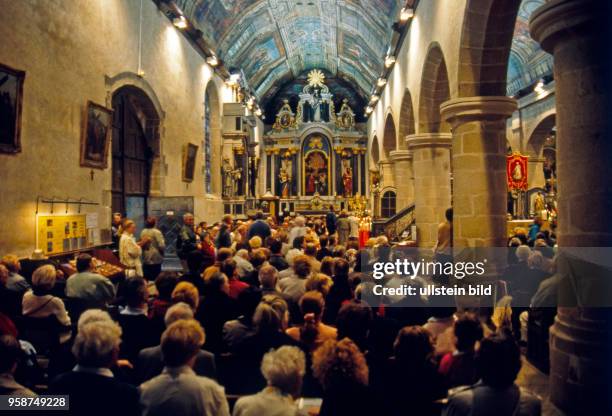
point(135, 143)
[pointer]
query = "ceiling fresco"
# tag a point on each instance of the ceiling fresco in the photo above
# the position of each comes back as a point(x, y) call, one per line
point(274, 41)
point(528, 62)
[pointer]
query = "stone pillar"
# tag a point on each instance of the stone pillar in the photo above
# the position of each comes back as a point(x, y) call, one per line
point(386, 172)
point(574, 31)
point(479, 169)
point(403, 176)
point(432, 192)
point(535, 172)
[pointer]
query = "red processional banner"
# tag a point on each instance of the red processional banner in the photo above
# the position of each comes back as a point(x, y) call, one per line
point(516, 171)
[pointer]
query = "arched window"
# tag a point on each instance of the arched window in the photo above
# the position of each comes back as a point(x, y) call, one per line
point(388, 204)
point(206, 147)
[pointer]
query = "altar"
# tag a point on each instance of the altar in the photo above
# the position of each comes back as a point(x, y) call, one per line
point(313, 156)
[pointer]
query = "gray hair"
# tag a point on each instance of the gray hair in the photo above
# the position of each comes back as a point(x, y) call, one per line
point(268, 276)
point(91, 316)
point(523, 252)
point(284, 368)
point(244, 253)
point(44, 277)
point(300, 221)
point(96, 344)
point(187, 215)
point(178, 311)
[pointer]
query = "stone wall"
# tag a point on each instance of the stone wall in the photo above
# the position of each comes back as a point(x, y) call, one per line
point(73, 52)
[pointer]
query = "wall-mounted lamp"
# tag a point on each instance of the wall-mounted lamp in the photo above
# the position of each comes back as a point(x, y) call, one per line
point(374, 98)
point(406, 14)
point(389, 61)
point(381, 82)
point(369, 110)
point(539, 88)
point(212, 60)
point(180, 22)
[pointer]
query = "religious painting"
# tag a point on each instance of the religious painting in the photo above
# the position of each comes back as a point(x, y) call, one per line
point(316, 169)
point(516, 171)
point(347, 177)
point(96, 135)
point(11, 92)
point(190, 153)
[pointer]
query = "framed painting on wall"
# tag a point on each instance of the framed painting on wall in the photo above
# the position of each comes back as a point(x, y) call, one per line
point(189, 160)
point(11, 94)
point(96, 135)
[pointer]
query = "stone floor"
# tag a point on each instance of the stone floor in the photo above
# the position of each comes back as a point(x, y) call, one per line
point(537, 382)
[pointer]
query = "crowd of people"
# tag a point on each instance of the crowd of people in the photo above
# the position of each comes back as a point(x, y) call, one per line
point(262, 314)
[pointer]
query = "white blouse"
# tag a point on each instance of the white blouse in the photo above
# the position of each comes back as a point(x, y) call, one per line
point(130, 253)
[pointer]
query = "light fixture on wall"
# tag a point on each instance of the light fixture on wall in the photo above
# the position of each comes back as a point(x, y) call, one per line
point(374, 98)
point(389, 61)
point(369, 110)
point(180, 22)
point(212, 60)
point(381, 82)
point(258, 112)
point(406, 14)
point(539, 88)
point(235, 77)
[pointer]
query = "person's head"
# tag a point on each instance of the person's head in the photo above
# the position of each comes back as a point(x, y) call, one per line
point(217, 283)
point(522, 253)
point(468, 331)
point(248, 299)
point(228, 267)
point(413, 344)
point(135, 292)
point(331, 208)
point(338, 363)
point(129, 226)
point(353, 322)
point(4, 275)
point(276, 246)
point(339, 251)
point(312, 302)
point(327, 265)
point(300, 221)
point(181, 342)
point(243, 253)
point(150, 222)
point(255, 242)
point(298, 242)
point(165, 283)
point(284, 369)
point(259, 215)
point(84, 262)
point(536, 260)
point(117, 218)
point(188, 219)
point(178, 311)
point(323, 241)
point(341, 268)
point(448, 214)
point(195, 262)
point(224, 254)
point(258, 257)
point(91, 316)
point(11, 262)
point(268, 277)
point(186, 292)
point(10, 353)
point(302, 266)
point(498, 361)
point(43, 278)
point(228, 219)
point(538, 220)
point(271, 315)
point(319, 282)
point(310, 250)
point(97, 344)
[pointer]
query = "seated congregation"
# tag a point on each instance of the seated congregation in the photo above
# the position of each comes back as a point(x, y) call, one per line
point(263, 314)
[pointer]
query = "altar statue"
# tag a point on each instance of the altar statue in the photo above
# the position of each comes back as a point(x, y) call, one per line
point(347, 181)
point(311, 184)
point(236, 176)
point(228, 181)
point(285, 180)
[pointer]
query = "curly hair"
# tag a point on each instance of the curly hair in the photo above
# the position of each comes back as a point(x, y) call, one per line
point(337, 363)
point(186, 292)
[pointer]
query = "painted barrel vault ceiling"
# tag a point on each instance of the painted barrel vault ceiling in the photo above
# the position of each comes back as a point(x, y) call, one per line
point(275, 41)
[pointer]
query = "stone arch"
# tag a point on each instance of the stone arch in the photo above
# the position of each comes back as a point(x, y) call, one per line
point(434, 91)
point(486, 39)
point(375, 151)
point(389, 137)
point(211, 98)
point(535, 143)
point(406, 120)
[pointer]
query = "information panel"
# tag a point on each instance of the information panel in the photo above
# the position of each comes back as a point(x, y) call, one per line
point(61, 233)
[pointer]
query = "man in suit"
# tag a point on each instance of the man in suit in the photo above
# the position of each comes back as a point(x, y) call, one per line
point(91, 385)
point(150, 362)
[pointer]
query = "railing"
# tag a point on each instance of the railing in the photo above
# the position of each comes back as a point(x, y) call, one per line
point(396, 225)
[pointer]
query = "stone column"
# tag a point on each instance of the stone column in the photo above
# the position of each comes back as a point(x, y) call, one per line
point(574, 31)
point(479, 169)
point(403, 176)
point(386, 172)
point(432, 191)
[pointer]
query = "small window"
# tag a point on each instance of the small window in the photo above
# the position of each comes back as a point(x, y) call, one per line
point(388, 204)
point(238, 123)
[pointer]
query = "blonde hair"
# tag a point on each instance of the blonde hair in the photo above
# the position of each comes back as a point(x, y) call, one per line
point(284, 368)
point(4, 273)
point(319, 282)
point(44, 277)
point(255, 242)
point(177, 312)
point(181, 341)
point(96, 343)
point(186, 292)
point(10, 261)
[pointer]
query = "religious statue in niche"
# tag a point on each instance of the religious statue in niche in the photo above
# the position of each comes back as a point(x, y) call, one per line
point(345, 118)
point(285, 177)
point(315, 100)
point(316, 173)
point(253, 168)
point(347, 179)
point(231, 177)
point(284, 118)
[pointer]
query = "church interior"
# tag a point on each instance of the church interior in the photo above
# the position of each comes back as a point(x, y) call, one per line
point(210, 185)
